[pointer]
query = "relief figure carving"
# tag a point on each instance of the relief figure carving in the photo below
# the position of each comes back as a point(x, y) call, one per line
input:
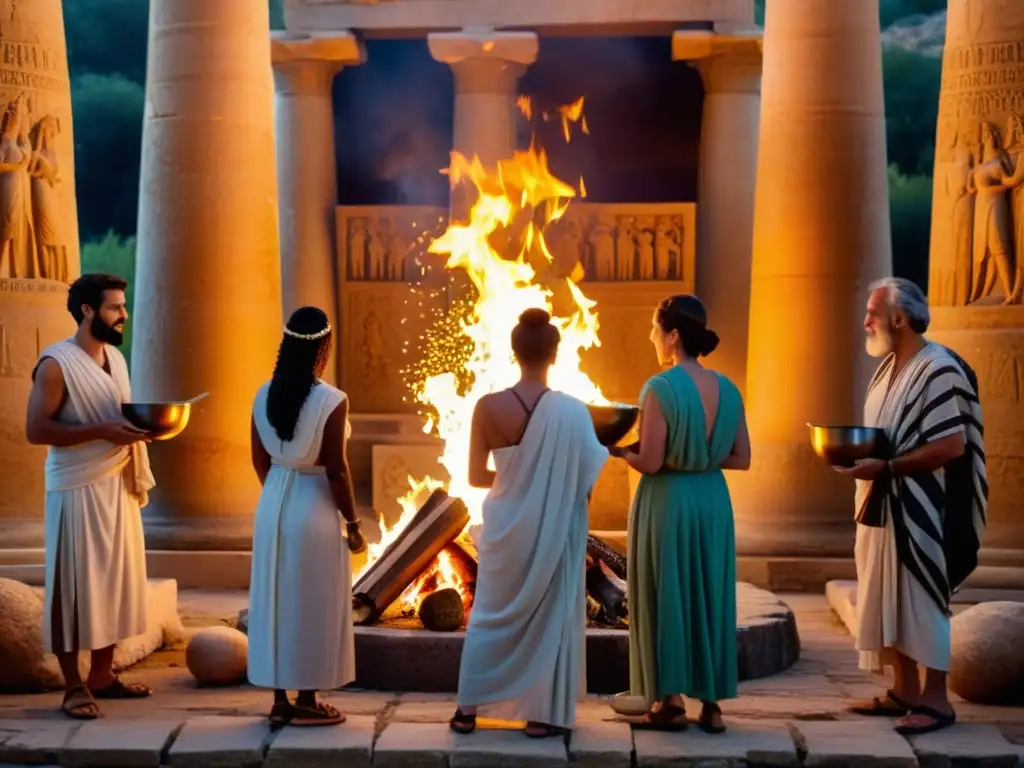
point(378, 250)
point(997, 174)
point(645, 248)
point(625, 256)
point(1015, 146)
point(18, 256)
point(374, 357)
point(957, 175)
point(45, 173)
point(602, 248)
point(397, 248)
point(357, 249)
point(668, 250)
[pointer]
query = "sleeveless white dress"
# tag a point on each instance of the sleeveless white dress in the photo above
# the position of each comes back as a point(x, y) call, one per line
point(300, 593)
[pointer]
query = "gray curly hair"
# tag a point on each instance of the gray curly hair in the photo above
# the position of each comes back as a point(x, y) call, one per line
point(903, 294)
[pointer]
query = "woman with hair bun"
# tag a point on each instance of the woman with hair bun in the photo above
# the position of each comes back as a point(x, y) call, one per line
point(300, 594)
point(522, 658)
point(682, 553)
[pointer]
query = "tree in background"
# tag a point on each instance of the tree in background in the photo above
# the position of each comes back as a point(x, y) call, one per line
point(114, 255)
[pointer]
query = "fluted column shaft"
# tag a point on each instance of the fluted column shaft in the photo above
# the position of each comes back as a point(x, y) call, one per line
point(821, 234)
point(208, 299)
point(304, 71)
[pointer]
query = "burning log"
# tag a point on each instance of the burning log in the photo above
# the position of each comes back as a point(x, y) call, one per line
point(598, 550)
point(436, 525)
point(608, 591)
point(606, 586)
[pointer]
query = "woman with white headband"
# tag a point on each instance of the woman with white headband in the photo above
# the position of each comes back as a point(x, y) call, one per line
point(300, 594)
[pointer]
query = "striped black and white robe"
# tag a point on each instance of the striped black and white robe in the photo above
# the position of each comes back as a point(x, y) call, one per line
point(908, 569)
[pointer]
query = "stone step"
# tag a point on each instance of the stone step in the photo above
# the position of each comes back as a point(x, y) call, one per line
point(416, 734)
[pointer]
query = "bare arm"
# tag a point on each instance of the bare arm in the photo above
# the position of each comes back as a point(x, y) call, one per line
point(260, 457)
point(479, 475)
point(739, 457)
point(41, 425)
point(653, 433)
point(931, 456)
point(334, 458)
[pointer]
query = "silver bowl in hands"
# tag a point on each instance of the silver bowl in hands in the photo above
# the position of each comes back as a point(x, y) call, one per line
point(844, 446)
point(613, 421)
point(161, 420)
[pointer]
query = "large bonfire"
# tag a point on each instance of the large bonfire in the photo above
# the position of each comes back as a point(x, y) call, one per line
point(503, 251)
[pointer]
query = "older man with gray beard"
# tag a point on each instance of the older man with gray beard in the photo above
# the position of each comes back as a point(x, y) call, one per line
point(921, 513)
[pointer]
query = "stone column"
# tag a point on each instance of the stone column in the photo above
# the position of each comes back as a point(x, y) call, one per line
point(208, 300)
point(983, 92)
point(821, 234)
point(487, 67)
point(34, 91)
point(730, 67)
point(304, 70)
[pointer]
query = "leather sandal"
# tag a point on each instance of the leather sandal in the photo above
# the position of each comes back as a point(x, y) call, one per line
point(707, 719)
point(79, 703)
point(889, 705)
point(122, 690)
point(939, 720)
point(536, 730)
point(304, 716)
point(462, 723)
point(664, 719)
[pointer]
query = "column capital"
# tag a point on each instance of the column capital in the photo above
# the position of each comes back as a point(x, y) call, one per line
point(485, 61)
point(306, 63)
point(484, 44)
point(727, 63)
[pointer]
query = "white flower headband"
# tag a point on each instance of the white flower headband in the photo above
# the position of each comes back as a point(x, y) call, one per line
point(307, 336)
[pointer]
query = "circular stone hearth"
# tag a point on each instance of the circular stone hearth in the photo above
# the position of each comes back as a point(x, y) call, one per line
point(390, 659)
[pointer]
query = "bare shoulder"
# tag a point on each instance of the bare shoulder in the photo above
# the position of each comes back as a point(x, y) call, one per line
point(48, 373)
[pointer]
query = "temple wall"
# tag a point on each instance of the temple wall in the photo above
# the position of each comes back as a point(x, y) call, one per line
point(390, 291)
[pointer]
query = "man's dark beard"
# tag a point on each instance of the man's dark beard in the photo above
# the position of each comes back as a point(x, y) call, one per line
point(106, 333)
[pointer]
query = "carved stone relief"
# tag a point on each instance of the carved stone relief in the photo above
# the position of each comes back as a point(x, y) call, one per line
point(32, 239)
point(610, 242)
point(378, 244)
point(977, 244)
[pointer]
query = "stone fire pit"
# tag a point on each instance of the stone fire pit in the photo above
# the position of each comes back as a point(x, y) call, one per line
point(397, 654)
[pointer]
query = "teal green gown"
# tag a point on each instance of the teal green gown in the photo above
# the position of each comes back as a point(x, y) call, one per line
point(682, 552)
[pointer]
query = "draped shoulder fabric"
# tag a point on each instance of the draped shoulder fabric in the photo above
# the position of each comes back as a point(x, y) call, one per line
point(95, 551)
point(932, 522)
point(300, 593)
point(682, 551)
point(524, 652)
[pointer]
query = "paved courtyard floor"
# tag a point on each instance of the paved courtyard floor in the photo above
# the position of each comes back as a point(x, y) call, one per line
point(795, 718)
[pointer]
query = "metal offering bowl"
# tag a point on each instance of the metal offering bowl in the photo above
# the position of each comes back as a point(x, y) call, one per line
point(162, 420)
point(612, 422)
point(844, 446)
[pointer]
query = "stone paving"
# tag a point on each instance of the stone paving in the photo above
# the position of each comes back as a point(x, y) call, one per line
point(792, 719)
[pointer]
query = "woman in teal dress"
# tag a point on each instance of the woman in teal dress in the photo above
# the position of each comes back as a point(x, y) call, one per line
point(682, 552)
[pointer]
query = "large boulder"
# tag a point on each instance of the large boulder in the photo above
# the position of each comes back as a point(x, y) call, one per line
point(987, 662)
point(24, 667)
point(218, 656)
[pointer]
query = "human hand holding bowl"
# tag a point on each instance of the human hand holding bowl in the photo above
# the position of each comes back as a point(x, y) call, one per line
point(863, 469)
point(122, 432)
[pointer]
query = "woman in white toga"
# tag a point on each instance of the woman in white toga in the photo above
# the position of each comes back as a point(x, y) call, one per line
point(300, 594)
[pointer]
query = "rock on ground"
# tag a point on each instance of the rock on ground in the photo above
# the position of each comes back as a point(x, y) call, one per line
point(987, 665)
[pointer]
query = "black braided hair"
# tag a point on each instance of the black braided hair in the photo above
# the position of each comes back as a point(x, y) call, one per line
point(686, 315)
point(300, 363)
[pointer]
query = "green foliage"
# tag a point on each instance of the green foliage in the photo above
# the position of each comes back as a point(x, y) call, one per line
point(910, 208)
point(107, 37)
point(108, 142)
point(114, 255)
point(911, 83)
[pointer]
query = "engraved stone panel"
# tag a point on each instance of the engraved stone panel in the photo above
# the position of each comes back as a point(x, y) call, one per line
point(393, 465)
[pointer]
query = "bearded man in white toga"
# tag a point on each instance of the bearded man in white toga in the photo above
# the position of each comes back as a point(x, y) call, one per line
point(921, 514)
point(97, 479)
